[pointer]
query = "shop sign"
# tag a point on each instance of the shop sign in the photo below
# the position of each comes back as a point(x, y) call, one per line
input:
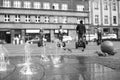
point(65, 31)
point(32, 31)
point(46, 31)
point(7, 32)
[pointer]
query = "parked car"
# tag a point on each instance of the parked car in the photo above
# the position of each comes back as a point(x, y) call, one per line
point(35, 40)
point(91, 37)
point(109, 36)
point(112, 36)
point(2, 41)
point(67, 38)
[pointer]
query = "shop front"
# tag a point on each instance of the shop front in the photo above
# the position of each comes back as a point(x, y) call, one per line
point(47, 35)
point(56, 33)
point(5, 35)
point(17, 36)
point(32, 34)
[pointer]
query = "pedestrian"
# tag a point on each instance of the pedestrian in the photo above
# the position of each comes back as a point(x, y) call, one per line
point(81, 30)
point(17, 40)
point(14, 40)
point(99, 33)
point(40, 43)
point(60, 33)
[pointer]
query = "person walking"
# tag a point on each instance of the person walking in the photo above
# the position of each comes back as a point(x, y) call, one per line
point(40, 43)
point(99, 35)
point(60, 33)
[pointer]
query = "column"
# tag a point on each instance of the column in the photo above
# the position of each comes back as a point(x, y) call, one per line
point(118, 32)
point(12, 36)
point(52, 35)
point(111, 30)
point(23, 35)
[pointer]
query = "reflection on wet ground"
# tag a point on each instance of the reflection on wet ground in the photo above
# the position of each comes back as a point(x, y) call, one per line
point(76, 68)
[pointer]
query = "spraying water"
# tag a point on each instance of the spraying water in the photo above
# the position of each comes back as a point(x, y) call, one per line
point(44, 56)
point(27, 69)
point(3, 61)
point(56, 59)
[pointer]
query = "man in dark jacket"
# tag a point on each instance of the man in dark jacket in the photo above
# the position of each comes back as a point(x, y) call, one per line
point(99, 33)
point(81, 30)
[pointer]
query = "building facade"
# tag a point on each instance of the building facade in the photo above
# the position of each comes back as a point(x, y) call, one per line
point(104, 13)
point(24, 18)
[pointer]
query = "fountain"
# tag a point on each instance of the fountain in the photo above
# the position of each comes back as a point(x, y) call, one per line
point(3, 61)
point(27, 69)
point(44, 56)
point(31, 68)
point(56, 59)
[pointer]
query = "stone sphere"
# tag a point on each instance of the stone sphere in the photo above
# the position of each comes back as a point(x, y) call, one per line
point(107, 47)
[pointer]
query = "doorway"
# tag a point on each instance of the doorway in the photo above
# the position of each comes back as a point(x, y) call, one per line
point(8, 37)
point(47, 36)
point(5, 36)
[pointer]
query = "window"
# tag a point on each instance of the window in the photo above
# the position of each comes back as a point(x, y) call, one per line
point(46, 19)
point(37, 19)
point(105, 5)
point(96, 5)
point(64, 19)
point(80, 7)
point(46, 5)
point(37, 5)
point(55, 6)
point(80, 19)
point(64, 7)
point(106, 19)
point(7, 18)
point(114, 20)
point(27, 18)
point(114, 5)
point(55, 19)
point(96, 19)
point(106, 30)
point(115, 30)
point(6, 3)
point(17, 4)
point(17, 18)
point(27, 4)
point(86, 21)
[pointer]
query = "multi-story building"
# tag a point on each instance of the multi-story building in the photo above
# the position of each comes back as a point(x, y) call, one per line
point(24, 18)
point(118, 15)
point(104, 13)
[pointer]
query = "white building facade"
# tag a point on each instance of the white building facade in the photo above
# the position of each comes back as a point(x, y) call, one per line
point(25, 18)
point(104, 13)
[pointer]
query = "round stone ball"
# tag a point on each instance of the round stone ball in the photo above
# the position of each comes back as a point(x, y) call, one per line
point(107, 47)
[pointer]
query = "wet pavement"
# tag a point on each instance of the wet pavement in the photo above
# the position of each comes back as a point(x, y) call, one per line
point(75, 65)
point(69, 68)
